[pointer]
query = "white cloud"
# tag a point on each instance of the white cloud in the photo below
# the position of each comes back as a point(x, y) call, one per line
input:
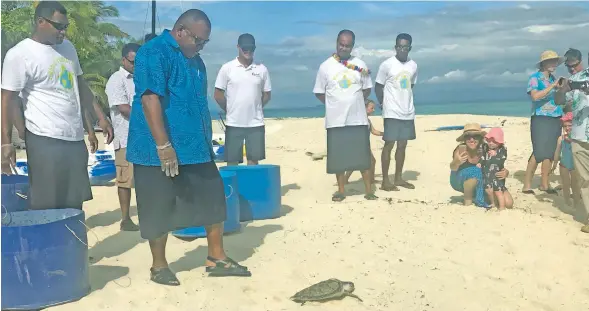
point(540, 29)
point(505, 78)
point(524, 6)
point(454, 75)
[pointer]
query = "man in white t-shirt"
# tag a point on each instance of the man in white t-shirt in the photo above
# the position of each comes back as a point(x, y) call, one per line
point(120, 90)
point(242, 90)
point(395, 80)
point(343, 83)
point(45, 71)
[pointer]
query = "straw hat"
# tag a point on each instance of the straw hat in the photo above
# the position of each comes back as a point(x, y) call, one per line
point(471, 129)
point(548, 55)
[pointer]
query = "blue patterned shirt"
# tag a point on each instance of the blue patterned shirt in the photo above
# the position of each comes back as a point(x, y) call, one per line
point(181, 83)
point(544, 106)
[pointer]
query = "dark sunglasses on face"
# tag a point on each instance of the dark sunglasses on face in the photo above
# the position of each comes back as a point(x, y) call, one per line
point(195, 39)
point(403, 47)
point(573, 65)
point(469, 137)
point(56, 25)
point(248, 48)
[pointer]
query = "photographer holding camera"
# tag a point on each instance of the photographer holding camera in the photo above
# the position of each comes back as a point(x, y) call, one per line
point(577, 100)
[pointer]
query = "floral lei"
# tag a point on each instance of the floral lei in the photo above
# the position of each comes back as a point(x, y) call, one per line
point(363, 71)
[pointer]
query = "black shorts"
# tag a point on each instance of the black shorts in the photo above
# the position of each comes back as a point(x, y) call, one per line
point(58, 172)
point(255, 143)
point(348, 149)
point(398, 130)
point(194, 198)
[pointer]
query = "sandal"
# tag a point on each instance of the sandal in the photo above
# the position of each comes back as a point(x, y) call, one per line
point(338, 197)
point(389, 187)
point(370, 196)
point(164, 276)
point(405, 184)
point(549, 191)
point(529, 191)
point(226, 267)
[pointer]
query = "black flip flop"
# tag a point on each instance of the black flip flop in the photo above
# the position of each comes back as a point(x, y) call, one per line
point(529, 191)
point(389, 188)
point(338, 197)
point(226, 267)
point(164, 276)
point(549, 191)
point(370, 196)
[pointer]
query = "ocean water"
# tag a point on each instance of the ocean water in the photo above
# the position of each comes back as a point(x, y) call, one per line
point(510, 109)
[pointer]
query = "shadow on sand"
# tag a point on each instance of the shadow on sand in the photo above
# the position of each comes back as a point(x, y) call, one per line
point(357, 186)
point(108, 218)
point(101, 275)
point(240, 246)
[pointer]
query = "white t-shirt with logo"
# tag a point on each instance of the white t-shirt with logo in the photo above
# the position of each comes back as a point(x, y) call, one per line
point(243, 88)
point(120, 90)
point(46, 76)
point(343, 89)
point(397, 79)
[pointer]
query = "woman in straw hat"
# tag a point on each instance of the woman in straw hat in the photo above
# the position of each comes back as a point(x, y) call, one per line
point(465, 176)
point(545, 120)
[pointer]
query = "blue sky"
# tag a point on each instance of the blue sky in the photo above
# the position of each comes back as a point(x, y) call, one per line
point(466, 51)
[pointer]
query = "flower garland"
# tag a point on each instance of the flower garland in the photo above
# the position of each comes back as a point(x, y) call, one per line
point(363, 71)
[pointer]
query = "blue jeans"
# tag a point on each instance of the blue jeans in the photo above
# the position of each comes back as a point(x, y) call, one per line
point(457, 179)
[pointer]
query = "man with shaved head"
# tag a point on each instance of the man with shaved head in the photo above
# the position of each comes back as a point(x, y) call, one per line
point(177, 183)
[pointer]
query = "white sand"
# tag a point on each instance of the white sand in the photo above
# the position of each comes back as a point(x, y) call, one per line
point(417, 251)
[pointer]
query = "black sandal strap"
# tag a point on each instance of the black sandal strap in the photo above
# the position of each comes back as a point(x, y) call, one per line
point(164, 276)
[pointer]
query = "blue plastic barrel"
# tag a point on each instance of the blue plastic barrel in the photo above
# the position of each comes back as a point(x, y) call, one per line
point(15, 190)
point(232, 223)
point(259, 190)
point(44, 258)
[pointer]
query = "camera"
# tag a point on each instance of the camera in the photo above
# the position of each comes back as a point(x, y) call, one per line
point(578, 85)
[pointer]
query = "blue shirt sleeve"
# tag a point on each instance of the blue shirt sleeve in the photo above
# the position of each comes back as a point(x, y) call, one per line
point(150, 72)
point(533, 83)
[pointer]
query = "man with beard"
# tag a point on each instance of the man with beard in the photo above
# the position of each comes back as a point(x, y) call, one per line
point(177, 183)
point(120, 90)
point(343, 83)
point(46, 72)
point(395, 80)
point(242, 90)
point(577, 100)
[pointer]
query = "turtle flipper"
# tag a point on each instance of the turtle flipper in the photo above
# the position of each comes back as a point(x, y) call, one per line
point(355, 296)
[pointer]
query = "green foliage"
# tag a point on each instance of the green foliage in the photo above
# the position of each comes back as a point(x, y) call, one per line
point(98, 43)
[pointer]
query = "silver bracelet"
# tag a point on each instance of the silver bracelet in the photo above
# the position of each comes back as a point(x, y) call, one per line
point(164, 146)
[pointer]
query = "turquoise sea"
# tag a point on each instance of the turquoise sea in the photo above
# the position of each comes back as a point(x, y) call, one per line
point(512, 109)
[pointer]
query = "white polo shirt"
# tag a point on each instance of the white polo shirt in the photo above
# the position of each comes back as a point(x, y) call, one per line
point(46, 77)
point(120, 90)
point(397, 78)
point(343, 89)
point(243, 88)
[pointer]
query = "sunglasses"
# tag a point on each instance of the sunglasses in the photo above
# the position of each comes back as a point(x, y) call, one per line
point(573, 65)
point(403, 47)
point(471, 136)
point(195, 39)
point(248, 48)
point(56, 25)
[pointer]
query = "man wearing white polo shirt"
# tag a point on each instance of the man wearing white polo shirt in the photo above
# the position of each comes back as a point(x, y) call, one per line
point(242, 90)
point(343, 83)
point(395, 80)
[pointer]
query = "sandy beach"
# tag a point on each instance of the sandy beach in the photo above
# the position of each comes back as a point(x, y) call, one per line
point(409, 250)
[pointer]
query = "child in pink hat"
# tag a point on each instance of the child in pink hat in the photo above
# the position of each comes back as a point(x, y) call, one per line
point(493, 161)
point(564, 156)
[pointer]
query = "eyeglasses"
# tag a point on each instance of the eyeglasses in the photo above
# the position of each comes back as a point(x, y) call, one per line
point(132, 62)
point(56, 25)
point(403, 47)
point(573, 66)
point(195, 39)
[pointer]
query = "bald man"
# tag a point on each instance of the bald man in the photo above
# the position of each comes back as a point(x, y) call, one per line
point(177, 183)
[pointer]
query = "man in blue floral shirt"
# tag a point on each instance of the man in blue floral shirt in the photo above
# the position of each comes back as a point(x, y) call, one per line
point(176, 180)
point(578, 101)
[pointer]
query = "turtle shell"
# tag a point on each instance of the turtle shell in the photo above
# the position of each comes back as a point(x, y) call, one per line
point(324, 290)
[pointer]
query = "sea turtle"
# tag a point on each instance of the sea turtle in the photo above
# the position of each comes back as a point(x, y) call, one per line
point(325, 290)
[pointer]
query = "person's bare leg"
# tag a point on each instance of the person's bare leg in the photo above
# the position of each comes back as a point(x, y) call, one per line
point(491, 196)
point(158, 252)
point(372, 168)
point(252, 162)
point(348, 174)
point(341, 178)
point(500, 199)
point(399, 163)
point(469, 189)
point(546, 167)
point(367, 178)
point(385, 163)
point(565, 177)
point(215, 243)
point(530, 170)
point(508, 199)
point(125, 202)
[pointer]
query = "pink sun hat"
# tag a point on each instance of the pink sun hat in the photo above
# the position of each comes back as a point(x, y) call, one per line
point(496, 134)
point(567, 117)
